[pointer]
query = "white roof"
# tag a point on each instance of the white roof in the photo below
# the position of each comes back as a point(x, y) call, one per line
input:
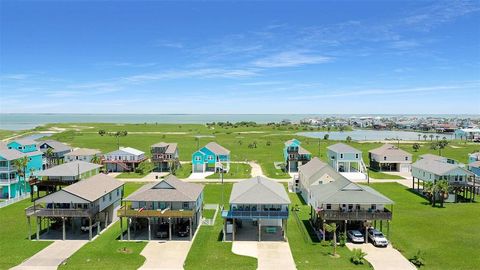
point(127, 150)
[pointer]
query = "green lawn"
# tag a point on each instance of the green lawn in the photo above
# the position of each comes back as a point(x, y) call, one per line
point(14, 244)
point(208, 213)
point(208, 251)
point(380, 175)
point(8, 133)
point(237, 171)
point(184, 171)
point(307, 252)
point(102, 253)
point(448, 236)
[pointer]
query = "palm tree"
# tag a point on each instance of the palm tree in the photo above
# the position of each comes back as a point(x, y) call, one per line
point(419, 135)
point(349, 139)
point(437, 137)
point(428, 190)
point(49, 154)
point(442, 187)
point(332, 227)
point(21, 165)
point(416, 146)
point(96, 159)
point(425, 137)
point(431, 137)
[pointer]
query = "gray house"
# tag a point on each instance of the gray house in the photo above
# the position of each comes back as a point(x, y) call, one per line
point(79, 208)
point(165, 156)
point(390, 158)
point(344, 158)
point(58, 150)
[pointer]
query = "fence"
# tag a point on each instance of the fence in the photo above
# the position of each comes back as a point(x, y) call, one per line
point(301, 228)
point(14, 200)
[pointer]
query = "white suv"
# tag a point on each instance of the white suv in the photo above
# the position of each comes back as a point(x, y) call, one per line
point(377, 238)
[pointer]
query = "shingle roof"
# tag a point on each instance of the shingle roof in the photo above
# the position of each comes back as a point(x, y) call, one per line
point(343, 148)
point(303, 151)
point(170, 189)
point(84, 152)
point(10, 154)
point(95, 187)
point(388, 149)
point(259, 190)
point(435, 167)
point(217, 148)
point(56, 145)
point(34, 153)
point(312, 167)
point(69, 169)
point(433, 157)
point(171, 147)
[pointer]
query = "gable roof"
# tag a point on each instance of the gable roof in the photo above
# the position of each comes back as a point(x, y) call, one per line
point(388, 149)
point(170, 189)
point(259, 190)
point(343, 148)
point(433, 157)
point(90, 189)
point(84, 152)
point(217, 148)
point(437, 167)
point(171, 147)
point(475, 164)
point(69, 169)
point(126, 150)
point(56, 145)
point(24, 141)
point(289, 142)
point(313, 167)
point(11, 154)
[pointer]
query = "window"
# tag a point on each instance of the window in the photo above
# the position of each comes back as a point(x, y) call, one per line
point(110, 196)
point(185, 205)
point(162, 205)
point(210, 157)
point(198, 158)
point(103, 198)
point(118, 191)
point(356, 155)
point(384, 158)
point(406, 158)
point(341, 155)
point(329, 206)
point(374, 206)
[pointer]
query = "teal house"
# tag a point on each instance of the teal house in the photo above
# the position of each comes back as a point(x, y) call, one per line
point(11, 183)
point(211, 158)
point(294, 155)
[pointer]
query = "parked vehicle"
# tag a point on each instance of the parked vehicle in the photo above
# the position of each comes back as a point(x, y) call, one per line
point(377, 238)
point(355, 236)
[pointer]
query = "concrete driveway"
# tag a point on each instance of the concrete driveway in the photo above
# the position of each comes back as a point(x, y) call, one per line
point(165, 254)
point(51, 256)
point(384, 258)
point(270, 255)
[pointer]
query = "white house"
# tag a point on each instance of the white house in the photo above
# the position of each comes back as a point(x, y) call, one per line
point(123, 159)
point(82, 154)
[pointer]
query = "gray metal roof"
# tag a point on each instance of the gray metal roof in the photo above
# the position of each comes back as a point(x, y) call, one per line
point(69, 169)
point(217, 148)
point(343, 148)
point(84, 152)
point(303, 151)
point(171, 147)
point(259, 190)
point(10, 154)
point(170, 189)
point(56, 146)
point(24, 141)
point(389, 150)
point(436, 167)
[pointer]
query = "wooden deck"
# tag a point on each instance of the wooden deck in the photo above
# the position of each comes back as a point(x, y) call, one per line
point(354, 215)
point(130, 212)
point(39, 211)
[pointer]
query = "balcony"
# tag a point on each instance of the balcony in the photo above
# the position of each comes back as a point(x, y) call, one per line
point(131, 212)
point(7, 181)
point(60, 212)
point(355, 215)
point(240, 214)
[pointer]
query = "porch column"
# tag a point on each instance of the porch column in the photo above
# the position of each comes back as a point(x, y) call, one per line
point(128, 229)
point(98, 227)
point(169, 228)
point(149, 230)
point(29, 228)
point(323, 225)
point(190, 229)
point(63, 228)
point(233, 229)
point(413, 183)
point(345, 228)
point(388, 228)
point(37, 228)
point(259, 231)
point(381, 225)
point(366, 232)
point(90, 228)
point(224, 229)
point(121, 228)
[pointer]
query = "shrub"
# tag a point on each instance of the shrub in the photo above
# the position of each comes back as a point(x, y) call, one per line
point(418, 259)
point(358, 256)
point(342, 239)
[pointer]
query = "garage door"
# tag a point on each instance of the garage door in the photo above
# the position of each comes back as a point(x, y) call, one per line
point(404, 167)
point(198, 168)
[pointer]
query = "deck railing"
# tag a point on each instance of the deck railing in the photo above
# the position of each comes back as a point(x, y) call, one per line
point(60, 212)
point(355, 215)
point(131, 212)
point(254, 214)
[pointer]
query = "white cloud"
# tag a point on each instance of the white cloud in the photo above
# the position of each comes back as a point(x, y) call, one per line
point(291, 59)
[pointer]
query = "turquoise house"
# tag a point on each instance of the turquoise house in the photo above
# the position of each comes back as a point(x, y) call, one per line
point(15, 150)
point(211, 158)
point(294, 155)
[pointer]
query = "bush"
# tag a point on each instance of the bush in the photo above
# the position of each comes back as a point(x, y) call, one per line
point(342, 239)
point(326, 243)
point(358, 256)
point(417, 259)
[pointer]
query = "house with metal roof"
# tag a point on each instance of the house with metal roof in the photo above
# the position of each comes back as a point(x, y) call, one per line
point(69, 213)
point(82, 154)
point(9, 180)
point(58, 151)
point(347, 160)
point(168, 209)
point(69, 172)
point(212, 157)
point(165, 156)
point(258, 210)
point(295, 155)
point(472, 157)
point(125, 159)
point(390, 158)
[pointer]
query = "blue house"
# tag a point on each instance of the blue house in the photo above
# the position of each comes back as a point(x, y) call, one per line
point(344, 158)
point(212, 157)
point(474, 163)
point(11, 183)
point(294, 155)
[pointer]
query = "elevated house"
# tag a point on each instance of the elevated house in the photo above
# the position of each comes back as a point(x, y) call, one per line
point(166, 209)
point(432, 169)
point(294, 155)
point(125, 159)
point(346, 159)
point(258, 210)
point(212, 157)
point(390, 158)
point(334, 198)
point(58, 151)
point(165, 156)
point(82, 154)
point(85, 206)
point(473, 157)
point(474, 163)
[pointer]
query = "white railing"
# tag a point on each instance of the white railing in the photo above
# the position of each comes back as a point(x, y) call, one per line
point(14, 200)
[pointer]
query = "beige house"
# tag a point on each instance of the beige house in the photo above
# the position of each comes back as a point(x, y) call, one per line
point(390, 158)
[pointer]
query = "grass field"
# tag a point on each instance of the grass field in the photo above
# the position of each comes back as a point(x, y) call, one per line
point(103, 252)
point(447, 236)
point(8, 133)
point(184, 171)
point(237, 171)
point(380, 175)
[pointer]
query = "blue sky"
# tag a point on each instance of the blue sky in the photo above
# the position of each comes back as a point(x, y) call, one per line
point(231, 57)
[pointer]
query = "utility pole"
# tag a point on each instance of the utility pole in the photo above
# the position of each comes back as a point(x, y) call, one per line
point(221, 175)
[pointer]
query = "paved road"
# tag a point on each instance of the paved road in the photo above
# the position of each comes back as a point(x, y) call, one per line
point(384, 258)
point(51, 256)
point(270, 255)
point(165, 254)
